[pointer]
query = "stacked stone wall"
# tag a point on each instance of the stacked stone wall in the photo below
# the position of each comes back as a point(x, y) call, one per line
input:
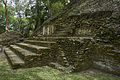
point(106, 58)
point(76, 53)
point(87, 53)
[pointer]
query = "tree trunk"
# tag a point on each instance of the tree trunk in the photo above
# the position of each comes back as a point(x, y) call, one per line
point(6, 14)
point(37, 14)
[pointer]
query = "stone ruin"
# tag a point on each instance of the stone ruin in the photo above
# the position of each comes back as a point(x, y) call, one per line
point(97, 19)
point(85, 34)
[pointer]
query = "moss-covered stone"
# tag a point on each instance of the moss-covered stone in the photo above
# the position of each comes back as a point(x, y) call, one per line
point(10, 37)
point(76, 54)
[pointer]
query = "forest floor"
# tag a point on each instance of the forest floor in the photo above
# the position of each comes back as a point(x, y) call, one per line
point(48, 73)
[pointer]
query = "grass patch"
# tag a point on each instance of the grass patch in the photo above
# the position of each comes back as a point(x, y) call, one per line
point(46, 73)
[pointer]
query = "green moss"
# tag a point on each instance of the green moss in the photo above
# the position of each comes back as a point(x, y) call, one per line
point(10, 37)
point(46, 73)
point(76, 53)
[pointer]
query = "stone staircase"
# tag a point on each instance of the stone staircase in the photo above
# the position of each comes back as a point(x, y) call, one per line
point(14, 60)
point(29, 53)
point(32, 53)
point(46, 51)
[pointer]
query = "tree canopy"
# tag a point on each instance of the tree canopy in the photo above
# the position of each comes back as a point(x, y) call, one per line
point(25, 16)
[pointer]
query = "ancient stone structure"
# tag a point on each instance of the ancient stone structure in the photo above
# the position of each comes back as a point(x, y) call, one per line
point(84, 34)
point(81, 15)
point(10, 37)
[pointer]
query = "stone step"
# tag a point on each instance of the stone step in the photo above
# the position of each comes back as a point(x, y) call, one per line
point(54, 38)
point(60, 67)
point(57, 66)
point(63, 31)
point(64, 58)
point(28, 56)
point(45, 38)
point(58, 32)
point(66, 63)
point(34, 48)
point(40, 43)
point(60, 35)
point(65, 28)
point(14, 60)
point(36, 38)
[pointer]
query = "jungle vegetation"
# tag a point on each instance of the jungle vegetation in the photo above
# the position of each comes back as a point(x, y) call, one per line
point(25, 16)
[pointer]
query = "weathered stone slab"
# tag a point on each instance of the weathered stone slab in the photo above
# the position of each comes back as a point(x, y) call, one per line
point(14, 60)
